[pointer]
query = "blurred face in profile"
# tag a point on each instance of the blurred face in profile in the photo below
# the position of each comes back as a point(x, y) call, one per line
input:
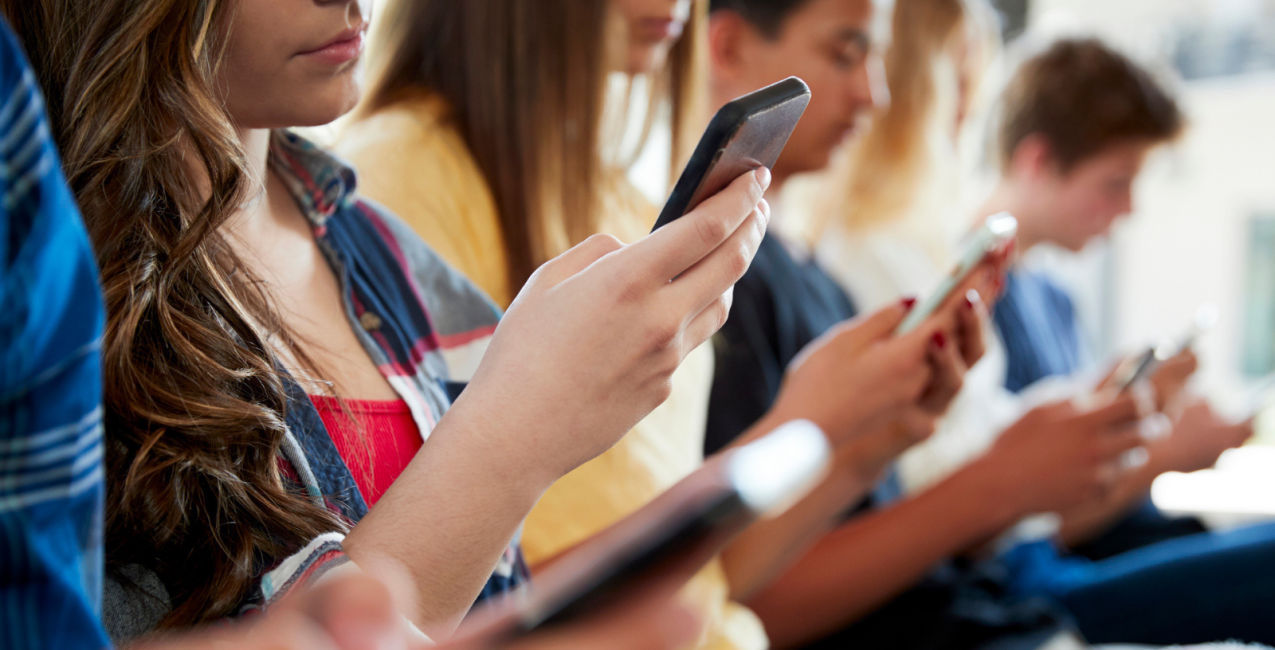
point(648, 29)
point(293, 62)
point(1081, 204)
point(825, 42)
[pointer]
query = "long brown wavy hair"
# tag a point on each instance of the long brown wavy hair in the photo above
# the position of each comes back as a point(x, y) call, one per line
point(526, 84)
point(194, 403)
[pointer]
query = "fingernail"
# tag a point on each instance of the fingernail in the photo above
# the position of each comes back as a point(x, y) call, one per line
point(940, 340)
point(969, 304)
point(764, 207)
point(763, 177)
point(909, 302)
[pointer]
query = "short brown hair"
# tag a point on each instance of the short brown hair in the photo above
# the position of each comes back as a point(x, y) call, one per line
point(1082, 97)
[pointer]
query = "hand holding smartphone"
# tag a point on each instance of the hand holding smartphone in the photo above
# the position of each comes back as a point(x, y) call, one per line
point(996, 233)
point(1143, 366)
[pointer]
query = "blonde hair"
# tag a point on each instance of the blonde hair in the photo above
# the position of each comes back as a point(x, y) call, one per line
point(526, 85)
point(885, 170)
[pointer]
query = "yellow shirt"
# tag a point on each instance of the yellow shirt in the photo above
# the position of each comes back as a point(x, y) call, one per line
point(413, 161)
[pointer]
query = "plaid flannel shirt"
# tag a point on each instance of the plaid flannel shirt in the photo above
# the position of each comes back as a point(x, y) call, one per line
point(424, 325)
point(51, 320)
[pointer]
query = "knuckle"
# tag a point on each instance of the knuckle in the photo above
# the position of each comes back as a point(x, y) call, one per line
point(720, 311)
point(663, 335)
point(670, 360)
point(739, 260)
point(712, 229)
point(604, 243)
point(662, 390)
point(627, 288)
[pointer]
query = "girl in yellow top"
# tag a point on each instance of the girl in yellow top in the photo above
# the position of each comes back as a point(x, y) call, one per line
point(517, 173)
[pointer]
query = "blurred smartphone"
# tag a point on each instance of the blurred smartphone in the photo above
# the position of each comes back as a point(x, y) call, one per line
point(997, 231)
point(747, 133)
point(1135, 369)
point(674, 536)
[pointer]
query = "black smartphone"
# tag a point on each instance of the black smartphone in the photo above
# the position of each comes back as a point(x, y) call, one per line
point(675, 535)
point(747, 133)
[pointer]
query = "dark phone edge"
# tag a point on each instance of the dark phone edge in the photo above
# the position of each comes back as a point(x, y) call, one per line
point(724, 124)
point(634, 560)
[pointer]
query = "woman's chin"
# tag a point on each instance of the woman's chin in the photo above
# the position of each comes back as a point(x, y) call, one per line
point(645, 59)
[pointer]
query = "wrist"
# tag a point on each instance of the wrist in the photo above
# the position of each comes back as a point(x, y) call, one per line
point(473, 428)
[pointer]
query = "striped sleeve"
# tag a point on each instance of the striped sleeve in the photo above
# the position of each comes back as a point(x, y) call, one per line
point(305, 567)
point(50, 387)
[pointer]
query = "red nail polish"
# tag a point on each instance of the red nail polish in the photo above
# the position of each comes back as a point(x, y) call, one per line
point(909, 302)
point(940, 340)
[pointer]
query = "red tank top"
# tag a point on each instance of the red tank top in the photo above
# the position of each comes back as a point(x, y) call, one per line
point(376, 449)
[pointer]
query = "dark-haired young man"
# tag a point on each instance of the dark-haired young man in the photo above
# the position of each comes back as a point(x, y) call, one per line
point(891, 576)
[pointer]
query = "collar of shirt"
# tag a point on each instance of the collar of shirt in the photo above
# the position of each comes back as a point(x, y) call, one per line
point(321, 183)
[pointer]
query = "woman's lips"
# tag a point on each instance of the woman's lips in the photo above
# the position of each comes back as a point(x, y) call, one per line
point(345, 48)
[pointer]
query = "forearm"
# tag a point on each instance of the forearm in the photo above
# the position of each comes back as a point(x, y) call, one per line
point(449, 517)
point(864, 563)
point(1091, 519)
point(767, 547)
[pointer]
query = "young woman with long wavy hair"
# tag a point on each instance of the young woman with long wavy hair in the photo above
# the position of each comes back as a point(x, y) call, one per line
point(528, 112)
point(253, 299)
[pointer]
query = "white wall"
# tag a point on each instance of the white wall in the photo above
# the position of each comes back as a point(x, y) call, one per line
point(1186, 243)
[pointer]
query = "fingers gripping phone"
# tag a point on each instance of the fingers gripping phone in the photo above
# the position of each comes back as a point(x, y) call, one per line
point(680, 531)
point(1136, 369)
point(747, 133)
point(996, 232)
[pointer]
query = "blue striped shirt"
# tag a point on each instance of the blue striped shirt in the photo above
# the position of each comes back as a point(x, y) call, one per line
point(50, 386)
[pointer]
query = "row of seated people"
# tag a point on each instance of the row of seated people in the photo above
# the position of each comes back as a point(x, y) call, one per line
point(269, 388)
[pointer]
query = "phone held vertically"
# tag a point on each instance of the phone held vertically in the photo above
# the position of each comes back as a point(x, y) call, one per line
point(995, 233)
point(747, 133)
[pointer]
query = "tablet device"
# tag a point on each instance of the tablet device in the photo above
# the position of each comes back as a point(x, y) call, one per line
point(746, 133)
